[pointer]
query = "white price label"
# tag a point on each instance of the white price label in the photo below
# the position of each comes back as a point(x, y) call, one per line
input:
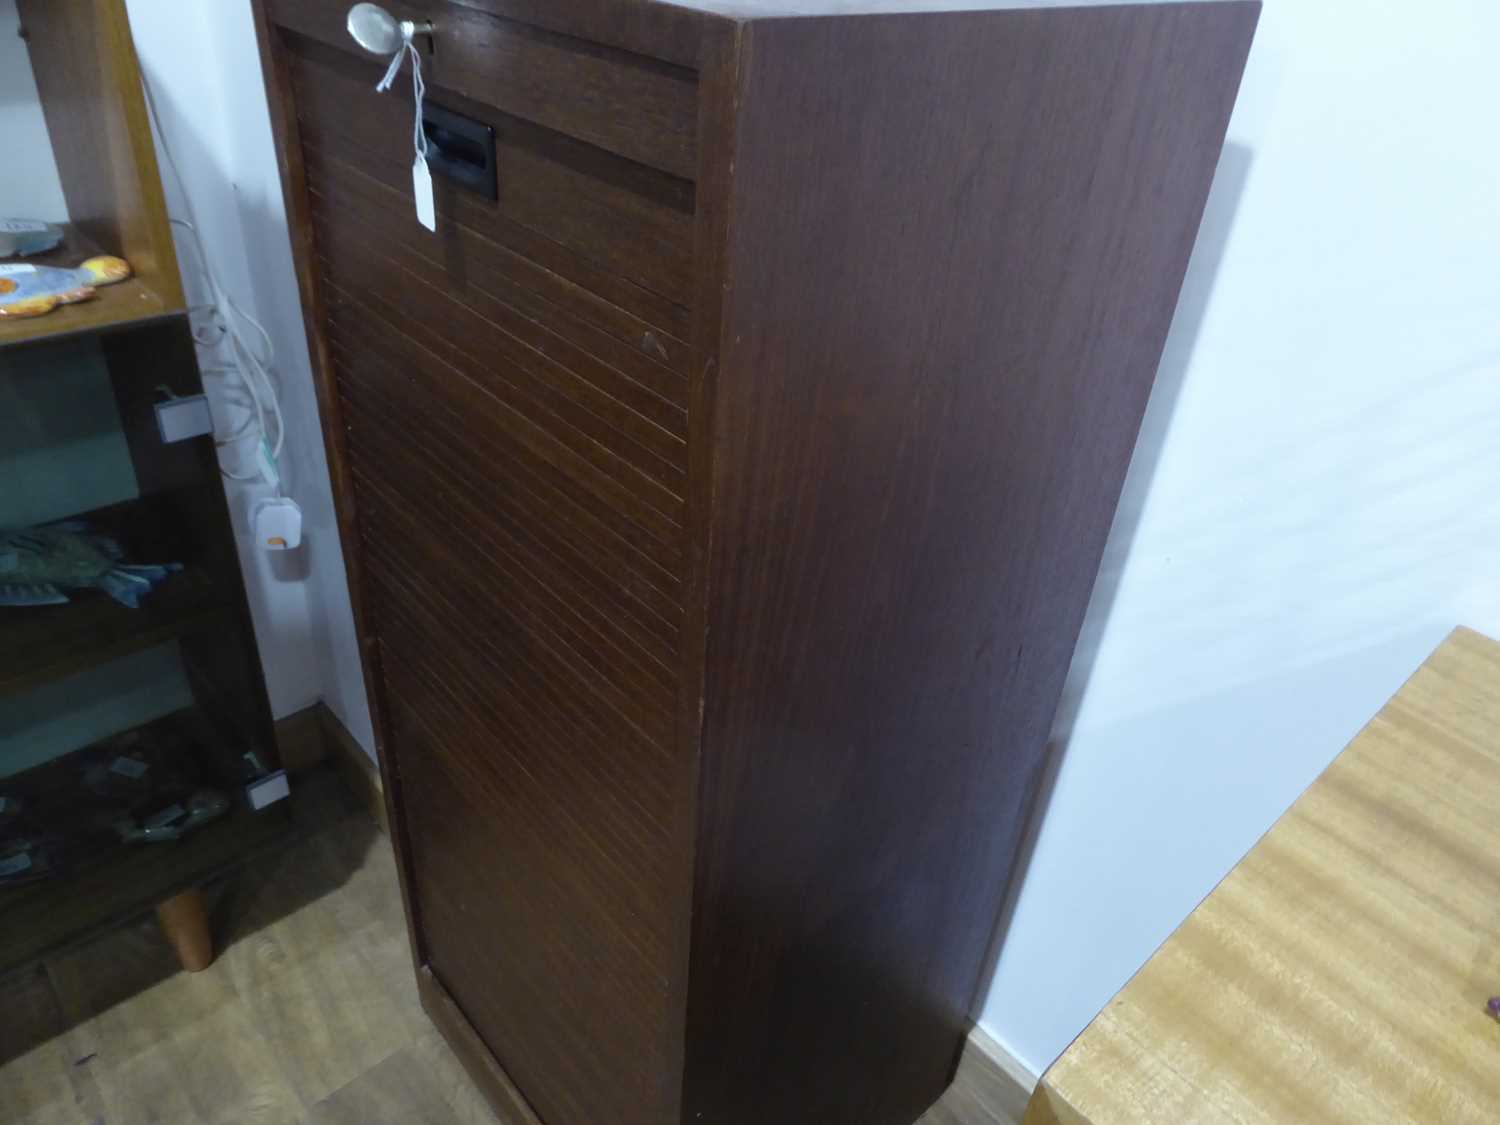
point(421, 184)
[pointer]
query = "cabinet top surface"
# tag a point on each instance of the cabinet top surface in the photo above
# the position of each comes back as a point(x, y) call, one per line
point(764, 9)
point(1341, 972)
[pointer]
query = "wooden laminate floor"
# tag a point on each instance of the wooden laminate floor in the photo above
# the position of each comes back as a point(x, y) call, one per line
point(309, 1015)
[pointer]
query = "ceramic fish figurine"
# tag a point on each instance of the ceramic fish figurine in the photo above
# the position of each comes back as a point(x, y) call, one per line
point(27, 290)
point(27, 236)
point(38, 563)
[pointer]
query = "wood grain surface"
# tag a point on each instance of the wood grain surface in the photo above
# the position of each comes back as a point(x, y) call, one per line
point(89, 83)
point(1340, 972)
point(955, 250)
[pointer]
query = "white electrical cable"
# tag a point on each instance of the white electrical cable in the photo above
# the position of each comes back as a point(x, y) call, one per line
point(251, 368)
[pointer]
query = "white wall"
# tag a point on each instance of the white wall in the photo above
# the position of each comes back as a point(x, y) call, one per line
point(204, 68)
point(1314, 503)
point(29, 187)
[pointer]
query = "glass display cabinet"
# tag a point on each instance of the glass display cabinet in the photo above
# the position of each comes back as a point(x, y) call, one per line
point(137, 756)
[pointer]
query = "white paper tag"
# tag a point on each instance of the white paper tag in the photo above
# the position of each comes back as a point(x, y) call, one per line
point(20, 226)
point(15, 864)
point(129, 767)
point(13, 270)
point(421, 186)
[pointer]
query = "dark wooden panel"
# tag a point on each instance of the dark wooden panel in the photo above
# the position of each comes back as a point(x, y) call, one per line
point(634, 223)
point(587, 505)
point(581, 1040)
point(583, 561)
point(605, 771)
point(547, 641)
point(559, 730)
point(502, 398)
point(634, 105)
point(489, 328)
point(601, 848)
point(474, 264)
point(956, 247)
point(566, 276)
point(483, 560)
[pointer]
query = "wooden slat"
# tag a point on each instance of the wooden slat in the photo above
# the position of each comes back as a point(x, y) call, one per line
point(515, 669)
point(596, 669)
point(580, 198)
point(572, 1057)
point(618, 413)
point(563, 275)
point(638, 107)
point(520, 628)
point(499, 403)
point(590, 506)
point(483, 498)
point(530, 385)
point(472, 266)
point(490, 550)
point(593, 845)
point(621, 794)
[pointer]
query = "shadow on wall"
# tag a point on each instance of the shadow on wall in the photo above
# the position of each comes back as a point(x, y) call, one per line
point(1203, 268)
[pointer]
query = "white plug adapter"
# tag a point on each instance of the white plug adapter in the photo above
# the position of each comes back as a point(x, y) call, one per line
point(277, 521)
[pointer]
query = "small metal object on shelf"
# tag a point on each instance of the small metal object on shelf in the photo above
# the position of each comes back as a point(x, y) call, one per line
point(379, 32)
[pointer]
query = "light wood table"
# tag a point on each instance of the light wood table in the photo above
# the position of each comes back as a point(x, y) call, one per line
point(1341, 972)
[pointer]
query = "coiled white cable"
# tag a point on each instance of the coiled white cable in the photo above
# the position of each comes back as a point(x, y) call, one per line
point(226, 321)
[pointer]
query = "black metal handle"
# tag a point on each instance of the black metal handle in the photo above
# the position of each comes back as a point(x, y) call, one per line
point(461, 149)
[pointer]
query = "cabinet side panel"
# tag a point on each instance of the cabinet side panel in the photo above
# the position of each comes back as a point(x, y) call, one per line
point(955, 249)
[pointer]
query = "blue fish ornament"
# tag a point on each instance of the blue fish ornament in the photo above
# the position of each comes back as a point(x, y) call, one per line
point(27, 290)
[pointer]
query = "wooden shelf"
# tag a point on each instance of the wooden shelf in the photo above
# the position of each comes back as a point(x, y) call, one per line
point(39, 644)
point(128, 878)
point(116, 306)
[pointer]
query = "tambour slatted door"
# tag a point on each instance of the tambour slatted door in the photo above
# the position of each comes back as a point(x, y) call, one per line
point(722, 498)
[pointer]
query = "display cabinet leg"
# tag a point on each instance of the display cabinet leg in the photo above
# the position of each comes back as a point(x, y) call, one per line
point(184, 921)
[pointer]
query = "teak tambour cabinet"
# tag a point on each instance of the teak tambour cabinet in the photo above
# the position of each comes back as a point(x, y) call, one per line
point(722, 499)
